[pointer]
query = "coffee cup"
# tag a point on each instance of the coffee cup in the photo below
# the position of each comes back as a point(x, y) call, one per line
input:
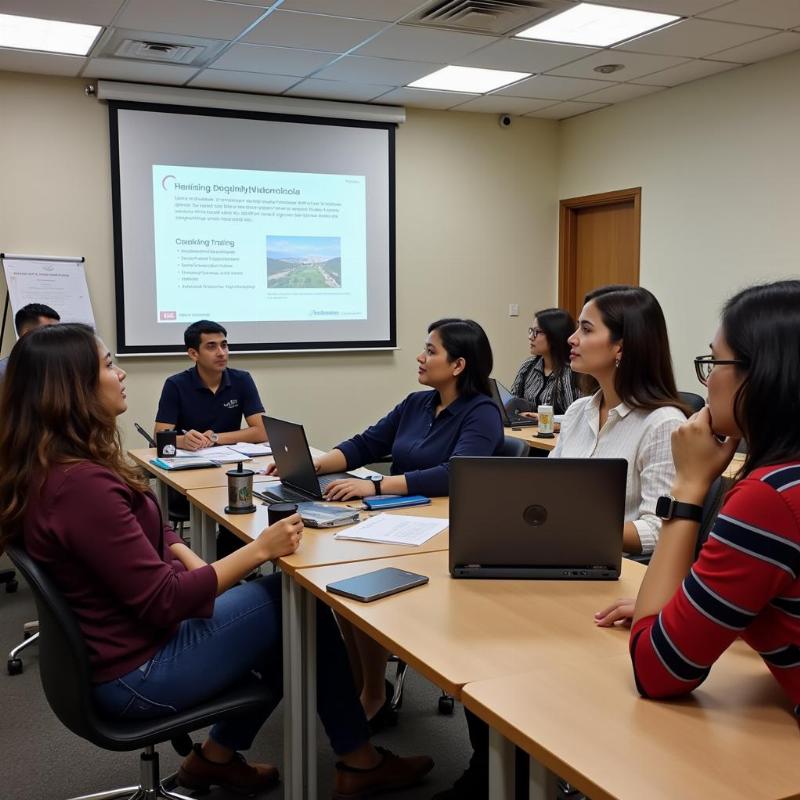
point(167, 444)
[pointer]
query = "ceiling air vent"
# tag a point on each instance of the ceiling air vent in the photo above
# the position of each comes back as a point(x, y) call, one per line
point(493, 17)
point(157, 51)
point(160, 47)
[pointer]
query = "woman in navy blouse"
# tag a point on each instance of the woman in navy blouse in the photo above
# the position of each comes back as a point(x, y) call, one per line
point(456, 418)
point(422, 433)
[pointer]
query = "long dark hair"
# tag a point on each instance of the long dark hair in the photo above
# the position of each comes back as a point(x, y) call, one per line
point(464, 338)
point(644, 378)
point(50, 414)
point(762, 327)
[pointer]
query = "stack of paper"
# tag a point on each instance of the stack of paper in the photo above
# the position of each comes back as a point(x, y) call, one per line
point(222, 455)
point(395, 529)
point(252, 450)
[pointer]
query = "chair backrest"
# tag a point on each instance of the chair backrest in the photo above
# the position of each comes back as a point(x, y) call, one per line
point(513, 447)
point(63, 660)
point(694, 401)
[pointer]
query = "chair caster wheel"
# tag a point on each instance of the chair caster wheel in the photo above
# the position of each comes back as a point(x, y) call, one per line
point(12, 587)
point(446, 704)
point(14, 666)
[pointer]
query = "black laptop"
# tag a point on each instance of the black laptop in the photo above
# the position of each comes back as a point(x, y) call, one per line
point(299, 480)
point(554, 518)
point(510, 406)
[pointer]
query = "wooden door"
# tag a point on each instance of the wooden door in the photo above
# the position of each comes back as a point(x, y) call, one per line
point(598, 244)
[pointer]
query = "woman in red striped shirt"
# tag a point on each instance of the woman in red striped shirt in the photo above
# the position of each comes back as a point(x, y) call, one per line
point(746, 581)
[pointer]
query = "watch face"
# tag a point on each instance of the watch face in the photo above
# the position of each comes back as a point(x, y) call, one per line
point(664, 507)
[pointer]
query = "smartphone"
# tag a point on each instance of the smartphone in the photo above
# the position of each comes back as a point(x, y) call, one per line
point(373, 585)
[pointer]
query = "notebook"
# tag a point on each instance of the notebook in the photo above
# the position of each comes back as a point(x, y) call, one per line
point(554, 518)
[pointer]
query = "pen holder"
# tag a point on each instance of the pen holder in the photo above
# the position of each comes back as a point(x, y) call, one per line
point(166, 444)
point(240, 491)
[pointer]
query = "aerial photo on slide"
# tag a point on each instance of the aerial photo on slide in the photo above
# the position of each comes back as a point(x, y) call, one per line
point(304, 262)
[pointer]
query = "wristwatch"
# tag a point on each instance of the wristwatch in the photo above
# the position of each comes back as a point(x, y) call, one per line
point(667, 507)
point(214, 437)
point(376, 482)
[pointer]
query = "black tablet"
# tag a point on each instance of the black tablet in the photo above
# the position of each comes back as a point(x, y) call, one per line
point(374, 585)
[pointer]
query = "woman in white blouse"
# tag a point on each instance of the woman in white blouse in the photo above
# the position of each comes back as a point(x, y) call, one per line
point(621, 342)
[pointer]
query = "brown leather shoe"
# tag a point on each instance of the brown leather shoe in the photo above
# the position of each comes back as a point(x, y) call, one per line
point(392, 773)
point(196, 772)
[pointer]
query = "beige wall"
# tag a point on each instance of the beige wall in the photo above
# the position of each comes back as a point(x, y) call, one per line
point(718, 164)
point(476, 222)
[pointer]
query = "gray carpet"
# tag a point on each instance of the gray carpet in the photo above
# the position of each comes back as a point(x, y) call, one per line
point(43, 761)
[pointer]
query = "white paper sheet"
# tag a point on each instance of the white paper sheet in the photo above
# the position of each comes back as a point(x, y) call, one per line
point(395, 529)
point(252, 450)
point(222, 455)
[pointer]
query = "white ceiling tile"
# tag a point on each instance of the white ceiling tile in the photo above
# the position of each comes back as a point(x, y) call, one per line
point(423, 98)
point(190, 17)
point(694, 38)
point(684, 73)
point(547, 86)
point(422, 44)
point(620, 93)
point(90, 12)
point(386, 10)
point(338, 90)
point(277, 60)
point(524, 55)
point(378, 70)
point(122, 70)
point(771, 13)
point(564, 110)
point(495, 104)
point(312, 31)
point(635, 64)
point(40, 63)
point(243, 81)
point(771, 46)
point(683, 8)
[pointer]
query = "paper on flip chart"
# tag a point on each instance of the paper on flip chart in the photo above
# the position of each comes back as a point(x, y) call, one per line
point(395, 529)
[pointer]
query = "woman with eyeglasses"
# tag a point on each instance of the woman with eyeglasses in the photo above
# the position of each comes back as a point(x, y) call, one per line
point(746, 580)
point(546, 378)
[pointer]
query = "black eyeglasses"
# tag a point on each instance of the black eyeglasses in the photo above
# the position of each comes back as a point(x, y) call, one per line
point(534, 332)
point(704, 364)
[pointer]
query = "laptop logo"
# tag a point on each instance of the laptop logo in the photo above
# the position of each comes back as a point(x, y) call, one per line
point(285, 448)
point(535, 515)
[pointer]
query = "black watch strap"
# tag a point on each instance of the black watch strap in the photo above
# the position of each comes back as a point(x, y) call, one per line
point(377, 480)
point(668, 507)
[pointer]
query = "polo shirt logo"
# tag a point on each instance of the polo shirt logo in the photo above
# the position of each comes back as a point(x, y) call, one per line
point(232, 403)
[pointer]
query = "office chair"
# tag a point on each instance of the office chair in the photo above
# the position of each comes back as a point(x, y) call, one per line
point(513, 448)
point(67, 682)
point(694, 401)
point(30, 633)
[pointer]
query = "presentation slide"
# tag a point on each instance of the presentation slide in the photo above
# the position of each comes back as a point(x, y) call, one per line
point(245, 245)
point(279, 228)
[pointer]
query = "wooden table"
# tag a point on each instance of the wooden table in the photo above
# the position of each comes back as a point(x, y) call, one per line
point(735, 737)
point(529, 434)
point(457, 631)
point(299, 613)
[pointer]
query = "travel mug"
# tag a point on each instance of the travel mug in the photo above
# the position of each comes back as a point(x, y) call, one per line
point(167, 444)
point(278, 511)
point(240, 491)
point(545, 414)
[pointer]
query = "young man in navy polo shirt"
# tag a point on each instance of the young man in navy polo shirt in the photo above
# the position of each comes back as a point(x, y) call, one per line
point(209, 400)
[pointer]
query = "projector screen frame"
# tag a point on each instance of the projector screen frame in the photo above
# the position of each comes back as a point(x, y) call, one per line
point(254, 348)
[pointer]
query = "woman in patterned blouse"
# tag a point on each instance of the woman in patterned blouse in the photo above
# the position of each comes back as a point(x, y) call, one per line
point(546, 378)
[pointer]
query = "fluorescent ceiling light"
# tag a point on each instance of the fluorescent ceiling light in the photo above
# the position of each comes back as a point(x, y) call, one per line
point(600, 26)
point(467, 79)
point(29, 33)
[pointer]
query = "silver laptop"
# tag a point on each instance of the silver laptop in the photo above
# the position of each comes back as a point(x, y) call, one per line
point(299, 480)
point(555, 518)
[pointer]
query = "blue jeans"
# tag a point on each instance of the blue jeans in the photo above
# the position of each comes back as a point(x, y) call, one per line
point(242, 640)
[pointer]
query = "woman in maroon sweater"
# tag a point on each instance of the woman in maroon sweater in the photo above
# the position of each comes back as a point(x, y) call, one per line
point(163, 630)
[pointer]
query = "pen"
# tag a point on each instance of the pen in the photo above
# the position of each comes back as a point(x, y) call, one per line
point(144, 433)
